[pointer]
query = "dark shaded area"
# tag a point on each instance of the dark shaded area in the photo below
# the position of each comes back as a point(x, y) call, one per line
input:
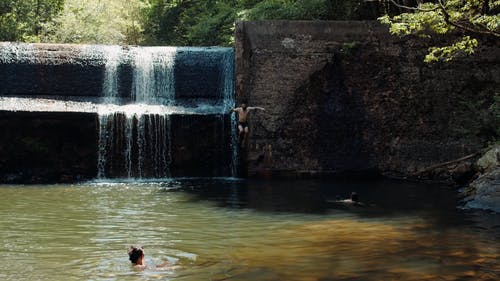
point(334, 121)
point(19, 79)
point(47, 147)
point(167, 146)
point(201, 145)
point(377, 197)
point(125, 78)
point(350, 96)
point(197, 74)
point(63, 147)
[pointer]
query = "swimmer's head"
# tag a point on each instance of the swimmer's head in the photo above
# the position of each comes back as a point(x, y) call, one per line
point(244, 106)
point(354, 197)
point(135, 253)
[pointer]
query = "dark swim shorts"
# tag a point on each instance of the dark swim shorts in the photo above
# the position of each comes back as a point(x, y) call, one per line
point(243, 124)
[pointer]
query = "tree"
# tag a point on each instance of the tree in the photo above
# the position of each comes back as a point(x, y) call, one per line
point(474, 19)
point(99, 22)
point(191, 22)
point(211, 22)
point(26, 20)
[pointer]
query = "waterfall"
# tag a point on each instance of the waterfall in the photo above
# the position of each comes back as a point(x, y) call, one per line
point(113, 56)
point(144, 136)
point(227, 89)
point(134, 145)
point(135, 140)
point(162, 111)
point(153, 75)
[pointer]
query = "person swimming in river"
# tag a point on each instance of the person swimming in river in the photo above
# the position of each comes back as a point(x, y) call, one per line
point(136, 257)
point(352, 200)
point(243, 111)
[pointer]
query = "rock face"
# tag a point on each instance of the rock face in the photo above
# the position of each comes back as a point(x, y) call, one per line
point(484, 192)
point(349, 97)
point(490, 160)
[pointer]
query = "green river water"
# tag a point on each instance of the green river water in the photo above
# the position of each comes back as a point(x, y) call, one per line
point(226, 229)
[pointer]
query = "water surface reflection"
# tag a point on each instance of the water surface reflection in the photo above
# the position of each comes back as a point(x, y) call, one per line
point(217, 229)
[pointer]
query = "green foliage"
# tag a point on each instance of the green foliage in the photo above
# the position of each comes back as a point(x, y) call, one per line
point(465, 45)
point(159, 22)
point(99, 22)
point(211, 22)
point(214, 28)
point(27, 20)
point(474, 17)
point(288, 9)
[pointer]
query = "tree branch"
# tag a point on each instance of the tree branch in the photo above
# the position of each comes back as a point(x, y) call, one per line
point(446, 16)
point(433, 167)
point(411, 8)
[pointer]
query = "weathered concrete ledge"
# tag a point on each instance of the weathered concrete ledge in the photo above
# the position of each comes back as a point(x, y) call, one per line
point(55, 147)
point(349, 97)
point(74, 71)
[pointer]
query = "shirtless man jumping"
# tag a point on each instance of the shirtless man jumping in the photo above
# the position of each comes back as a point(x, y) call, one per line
point(243, 111)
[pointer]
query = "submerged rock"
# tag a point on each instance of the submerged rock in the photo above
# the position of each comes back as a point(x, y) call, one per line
point(484, 192)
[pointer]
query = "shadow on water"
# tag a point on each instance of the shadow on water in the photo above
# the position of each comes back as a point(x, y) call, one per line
point(415, 229)
point(378, 198)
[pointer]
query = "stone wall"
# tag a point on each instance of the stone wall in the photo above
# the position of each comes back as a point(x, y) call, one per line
point(349, 97)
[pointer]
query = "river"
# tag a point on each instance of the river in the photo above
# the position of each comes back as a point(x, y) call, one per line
point(230, 229)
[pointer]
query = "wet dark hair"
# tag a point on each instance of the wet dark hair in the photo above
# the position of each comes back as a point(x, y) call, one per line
point(134, 253)
point(354, 197)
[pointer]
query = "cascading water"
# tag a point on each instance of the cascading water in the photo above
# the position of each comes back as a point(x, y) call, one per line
point(227, 89)
point(134, 145)
point(153, 75)
point(162, 111)
point(139, 135)
point(145, 135)
point(112, 55)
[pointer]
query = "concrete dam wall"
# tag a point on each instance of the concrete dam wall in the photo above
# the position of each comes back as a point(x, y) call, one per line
point(345, 97)
point(80, 112)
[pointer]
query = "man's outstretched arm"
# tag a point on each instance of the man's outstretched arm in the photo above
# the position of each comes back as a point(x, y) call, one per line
point(256, 107)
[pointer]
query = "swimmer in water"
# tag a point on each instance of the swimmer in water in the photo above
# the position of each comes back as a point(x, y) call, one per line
point(136, 257)
point(353, 200)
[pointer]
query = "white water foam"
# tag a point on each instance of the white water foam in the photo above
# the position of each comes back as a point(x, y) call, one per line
point(153, 74)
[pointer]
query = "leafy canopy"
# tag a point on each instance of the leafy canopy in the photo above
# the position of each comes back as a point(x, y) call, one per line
point(98, 22)
point(26, 20)
point(474, 18)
